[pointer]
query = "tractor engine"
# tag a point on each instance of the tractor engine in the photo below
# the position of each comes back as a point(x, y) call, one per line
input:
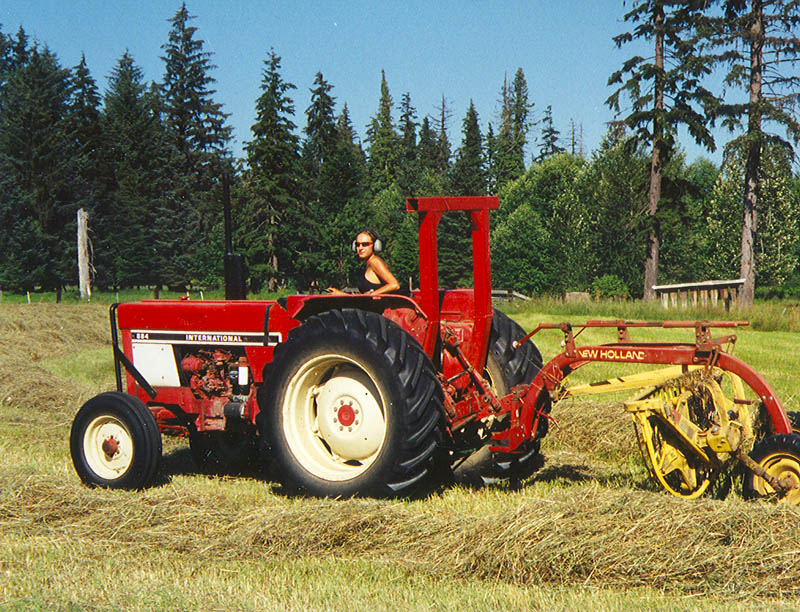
point(221, 380)
point(216, 373)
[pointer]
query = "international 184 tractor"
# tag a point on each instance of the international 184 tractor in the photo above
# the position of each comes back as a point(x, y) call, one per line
point(383, 395)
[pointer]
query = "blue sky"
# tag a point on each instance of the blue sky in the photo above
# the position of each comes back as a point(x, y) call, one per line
point(459, 49)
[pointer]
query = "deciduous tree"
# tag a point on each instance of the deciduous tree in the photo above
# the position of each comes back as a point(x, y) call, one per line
point(776, 247)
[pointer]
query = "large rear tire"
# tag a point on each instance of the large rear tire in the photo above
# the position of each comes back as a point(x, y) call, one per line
point(115, 442)
point(351, 406)
point(507, 367)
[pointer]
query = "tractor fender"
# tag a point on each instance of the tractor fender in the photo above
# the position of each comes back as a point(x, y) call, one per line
point(303, 307)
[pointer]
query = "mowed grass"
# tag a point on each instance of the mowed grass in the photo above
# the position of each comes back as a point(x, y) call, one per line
point(588, 531)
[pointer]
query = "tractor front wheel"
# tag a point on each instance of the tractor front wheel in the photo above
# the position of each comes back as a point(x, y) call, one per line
point(115, 442)
point(351, 406)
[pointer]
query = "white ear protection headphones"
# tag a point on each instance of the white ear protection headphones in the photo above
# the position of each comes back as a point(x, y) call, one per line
point(377, 245)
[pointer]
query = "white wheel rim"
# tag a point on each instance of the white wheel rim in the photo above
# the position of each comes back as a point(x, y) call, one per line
point(108, 447)
point(333, 418)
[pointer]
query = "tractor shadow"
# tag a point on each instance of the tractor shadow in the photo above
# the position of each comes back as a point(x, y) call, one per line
point(178, 461)
point(577, 473)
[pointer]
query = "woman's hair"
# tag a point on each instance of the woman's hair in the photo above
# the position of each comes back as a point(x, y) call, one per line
point(369, 232)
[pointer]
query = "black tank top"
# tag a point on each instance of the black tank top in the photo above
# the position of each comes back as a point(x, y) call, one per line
point(365, 286)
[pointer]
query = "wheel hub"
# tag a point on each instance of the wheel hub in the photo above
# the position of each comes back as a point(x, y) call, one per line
point(787, 472)
point(350, 419)
point(346, 415)
point(110, 446)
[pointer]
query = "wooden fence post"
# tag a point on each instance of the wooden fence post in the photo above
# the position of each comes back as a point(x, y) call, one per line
point(83, 254)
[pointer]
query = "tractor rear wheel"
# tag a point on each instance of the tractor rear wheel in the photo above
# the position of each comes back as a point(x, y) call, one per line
point(507, 367)
point(115, 442)
point(779, 455)
point(351, 406)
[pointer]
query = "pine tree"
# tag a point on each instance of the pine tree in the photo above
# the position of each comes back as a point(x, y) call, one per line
point(550, 134)
point(469, 170)
point(676, 96)
point(320, 196)
point(467, 177)
point(5, 56)
point(8, 205)
point(91, 176)
point(84, 113)
point(513, 132)
point(199, 136)
point(428, 151)
point(384, 144)
point(442, 141)
point(573, 138)
point(490, 154)
point(345, 180)
point(757, 40)
point(408, 179)
point(271, 188)
point(141, 237)
point(320, 127)
point(37, 172)
point(344, 125)
point(196, 122)
point(20, 50)
point(520, 112)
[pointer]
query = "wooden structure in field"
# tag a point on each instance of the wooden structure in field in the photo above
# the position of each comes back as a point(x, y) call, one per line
point(702, 293)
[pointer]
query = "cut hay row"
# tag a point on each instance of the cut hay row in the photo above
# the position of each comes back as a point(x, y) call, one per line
point(33, 334)
point(583, 534)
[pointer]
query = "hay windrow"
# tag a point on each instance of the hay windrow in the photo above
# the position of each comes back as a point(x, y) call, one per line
point(33, 333)
point(586, 535)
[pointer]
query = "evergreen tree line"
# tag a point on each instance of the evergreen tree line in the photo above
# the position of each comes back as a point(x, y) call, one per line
point(148, 160)
point(143, 160)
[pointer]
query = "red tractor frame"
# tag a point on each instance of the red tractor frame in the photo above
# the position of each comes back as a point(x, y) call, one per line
point(363, 395)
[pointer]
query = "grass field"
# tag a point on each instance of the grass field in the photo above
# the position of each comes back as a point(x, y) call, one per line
point(588, 531)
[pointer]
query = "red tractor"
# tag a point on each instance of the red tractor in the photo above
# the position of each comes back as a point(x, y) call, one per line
point(363, 395)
